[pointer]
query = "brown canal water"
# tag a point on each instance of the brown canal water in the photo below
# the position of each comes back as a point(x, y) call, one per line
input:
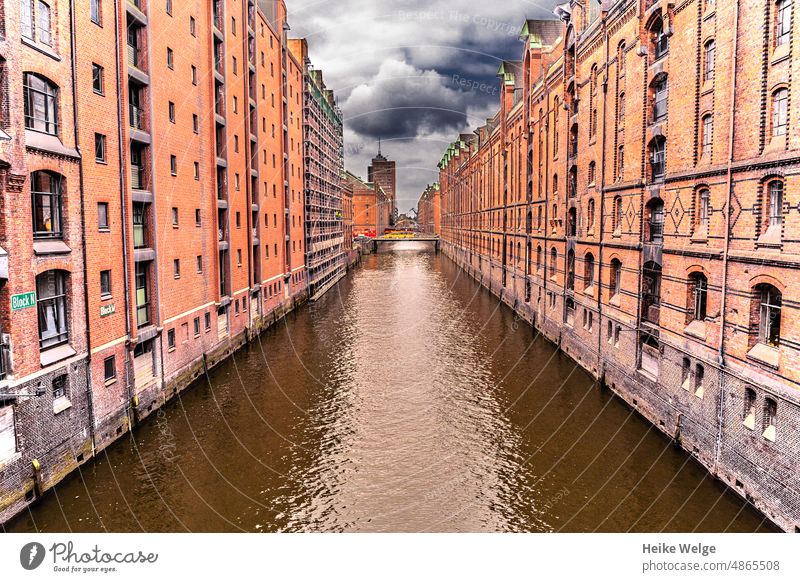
point(406, 399)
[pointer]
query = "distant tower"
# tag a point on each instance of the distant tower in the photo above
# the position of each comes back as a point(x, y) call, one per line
point(383, 172)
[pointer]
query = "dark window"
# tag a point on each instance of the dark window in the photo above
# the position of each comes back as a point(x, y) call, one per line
point(171, 339)
point(194, 75)
point(208, 321)
point(699, 295)
point(197, 217)
point(171, 108)
point(170, 58)
point(46, 189)
point(169, 7)
point(97, 79)
point(199, 263)
point(588, 278)
point(196, 326)
point(110, 369)
point(176, 268)
point(658, 158)
point(192, 26)
point(771, 304)
point(195, 123)
point(41, 101)
point(660, 95)
point(102, 215)
point(51, 303)
point(99, 147)
point(660, 39)
point(105, 284)
point(616, 277)
point(173, 165)
point(142, 295)
point(174, 216)
point(60, 387)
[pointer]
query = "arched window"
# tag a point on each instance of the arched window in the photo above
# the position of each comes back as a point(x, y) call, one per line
point(658, 165)
point(555, 183)
point(590, 214)
point(46, 204)
point(621, 162)
point(707, 127)
point(651, 292)
point(573, 181)
point(660, 94)
point(539, 218)
point(775, 204)
point(780, 115)
point(769, 306)
point(51, 303)
point(615, 283)
point(783, 22)
point(592, 172)
point(698, 296)
point(571, 269)
point(572, 227)
point(704, 210)
point(555, 217)
point(41, 104)
point(617, 216)
point(588, 271)
point(659, 38)
point(622, 109)
point(710, 57)
point(654, 212)
point(539, 258)
point(622, 58)
point(553, 261)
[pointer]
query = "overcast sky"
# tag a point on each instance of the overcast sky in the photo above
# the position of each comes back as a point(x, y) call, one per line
point(396, 67)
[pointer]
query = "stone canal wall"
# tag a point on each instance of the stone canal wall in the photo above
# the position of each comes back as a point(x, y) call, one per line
point(706, 423)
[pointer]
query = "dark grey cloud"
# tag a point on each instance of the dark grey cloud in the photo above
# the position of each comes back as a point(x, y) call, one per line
point(412, 72)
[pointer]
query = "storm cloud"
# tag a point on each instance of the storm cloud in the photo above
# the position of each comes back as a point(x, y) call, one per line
point(413, 73)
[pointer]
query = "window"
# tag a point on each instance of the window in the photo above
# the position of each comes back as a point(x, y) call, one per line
point(195, 123)
point(616, 277)
point(592, 172)
point(40, 97)
point(99, 148)
point(95, 12)
point(235, 65)
point(783, 21)
point(44, 24)
point(770, 305)
point(622, 59)
point(588, 273)
point(60, 387)
point(233, 26)
point(194, 75)
point(590, 215)
point(174, 216)
point(199, 263)
point(775, 203)
point(105, 284)
point(239, 257)
point(171, 339)
point(196, 170)
point(658, 158)
point(109, 369)
point(51, 304)
point(622, 109)
point(192, 26)
point(169, 7)
point(708, 135)
point(197, 217)
point(97, 79)
point(710, 55)
point(553, 260)
point(173, 165)
point(770, 419)
point(196, 326)
point(698, 288)
point(170, 58)
point(171, 109)
point(46, 188)
point(659, 38)
point(208, 321)
point(780, 100)
point(102, 215)
point(176, 268)
point(749, 412)
point(142, 295)
point(686, 373)
point(621, 162)
point(705, 209)
point(660, 95)
point(571, 269)
point(617, 216)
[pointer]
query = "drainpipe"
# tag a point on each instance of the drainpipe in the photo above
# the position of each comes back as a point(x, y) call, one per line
point(76, 136)
point(124, 211)
point(600, 367)
point(726, 251)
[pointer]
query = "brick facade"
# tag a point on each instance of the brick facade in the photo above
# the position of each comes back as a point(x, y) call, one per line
point(171, 143)
point(633, 200)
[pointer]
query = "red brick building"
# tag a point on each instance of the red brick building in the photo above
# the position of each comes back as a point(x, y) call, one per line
point(151, 212)
point(383, 172)
point(632, 199)
point(429, 210)
point(371, 207)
